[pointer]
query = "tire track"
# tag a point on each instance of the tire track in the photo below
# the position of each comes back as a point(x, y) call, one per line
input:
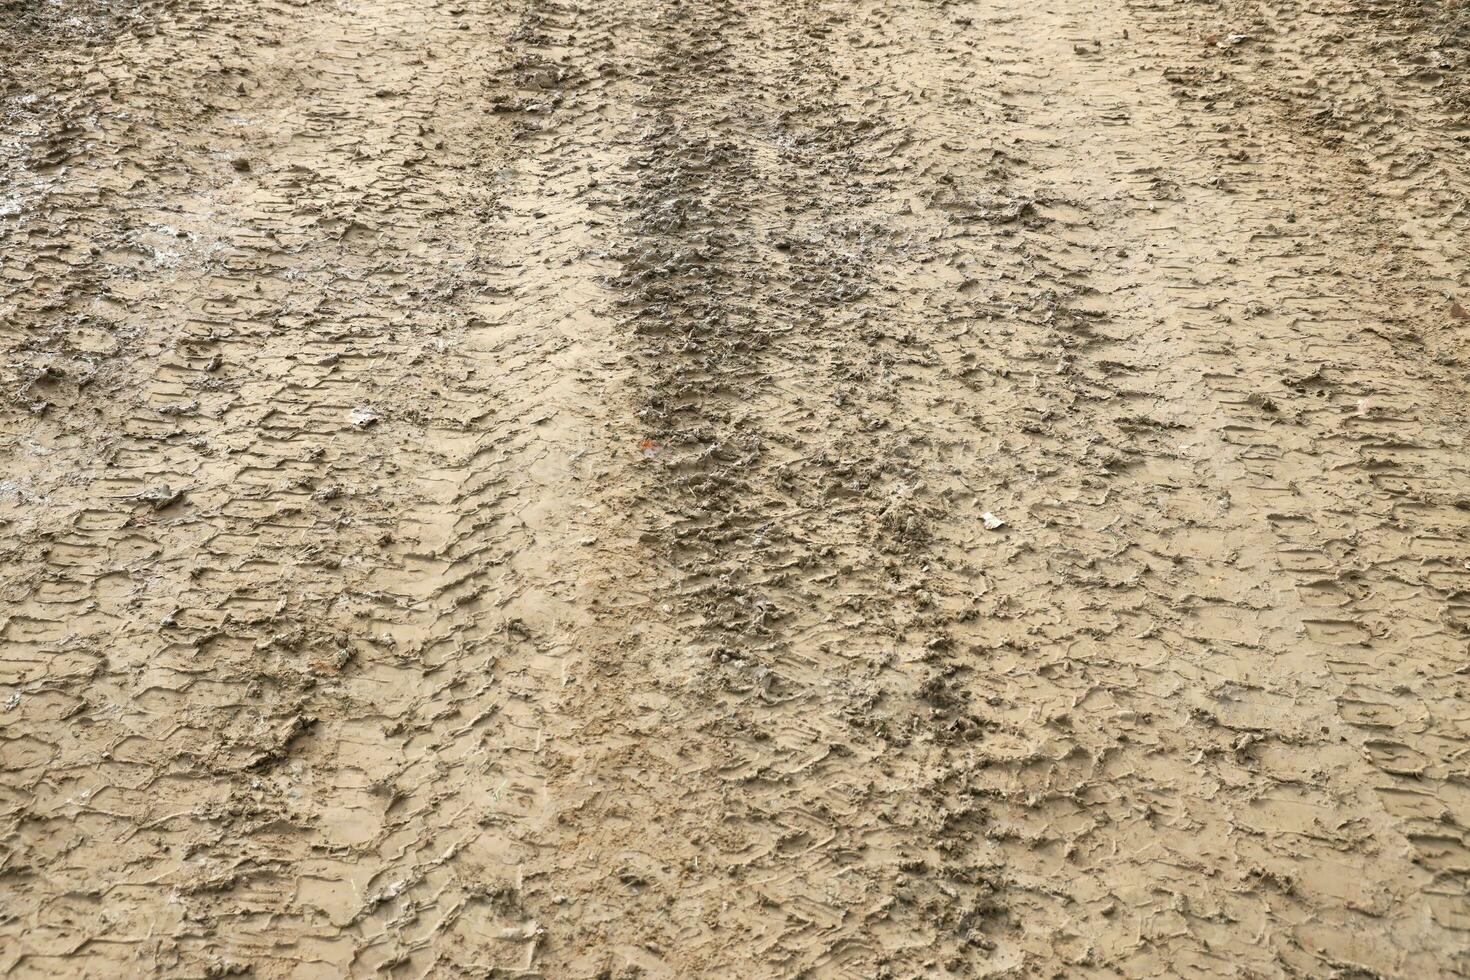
point(304, 570)
point(709, 489)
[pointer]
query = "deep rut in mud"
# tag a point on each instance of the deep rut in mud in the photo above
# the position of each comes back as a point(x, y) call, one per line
point(685, 488)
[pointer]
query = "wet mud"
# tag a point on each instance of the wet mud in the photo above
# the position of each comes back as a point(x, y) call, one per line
point(817, 489)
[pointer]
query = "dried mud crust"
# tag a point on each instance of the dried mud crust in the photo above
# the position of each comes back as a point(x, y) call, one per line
point(733, 489)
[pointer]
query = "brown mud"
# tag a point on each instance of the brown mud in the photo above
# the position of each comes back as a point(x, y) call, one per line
point(670, 489)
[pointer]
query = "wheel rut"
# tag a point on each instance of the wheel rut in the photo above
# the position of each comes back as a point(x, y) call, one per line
point(825, 489)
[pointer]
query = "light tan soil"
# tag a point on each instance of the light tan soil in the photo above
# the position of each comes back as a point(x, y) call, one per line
point(687, 488)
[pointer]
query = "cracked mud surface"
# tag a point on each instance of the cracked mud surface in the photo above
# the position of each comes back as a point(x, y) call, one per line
point(825, 488)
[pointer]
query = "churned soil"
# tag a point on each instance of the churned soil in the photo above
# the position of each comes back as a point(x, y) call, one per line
point(696, 488)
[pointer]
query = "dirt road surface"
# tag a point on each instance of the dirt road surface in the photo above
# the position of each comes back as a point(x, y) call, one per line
point(686, 488)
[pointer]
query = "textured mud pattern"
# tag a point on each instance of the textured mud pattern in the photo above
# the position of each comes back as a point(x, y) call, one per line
point(686, 488)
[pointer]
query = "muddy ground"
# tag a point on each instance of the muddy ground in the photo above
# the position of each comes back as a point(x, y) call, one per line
point(683, 488)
